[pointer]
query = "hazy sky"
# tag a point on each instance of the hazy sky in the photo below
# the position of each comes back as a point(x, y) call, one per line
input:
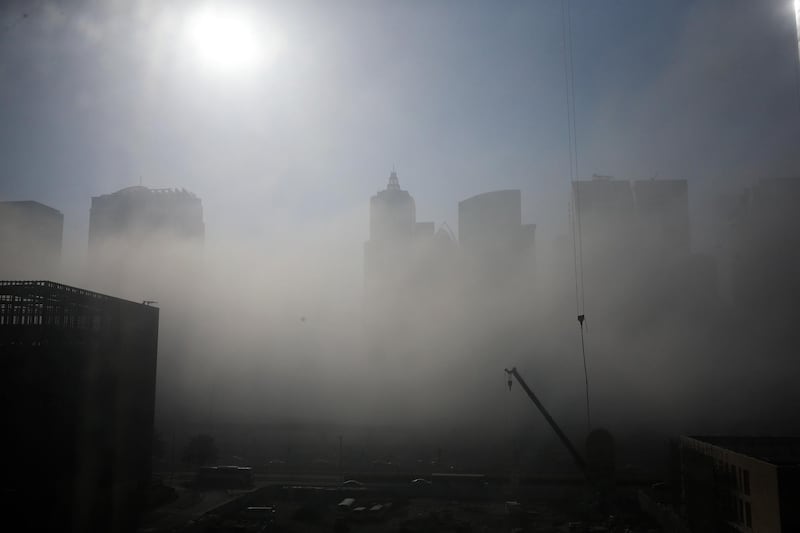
point(462, 97)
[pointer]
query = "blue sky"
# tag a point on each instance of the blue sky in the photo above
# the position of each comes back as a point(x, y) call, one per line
point(461, 97)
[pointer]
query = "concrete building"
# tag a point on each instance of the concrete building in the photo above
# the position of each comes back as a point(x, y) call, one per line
point(405, 262)
point(135, 214)
point(136, 232)
point(764, 248)
point(392, 214)
point(741, 484)
point(30, 240)
point(617, 215)
point(634, 250)
point(394, 237)
point(78, 392)
point(662, 208)
point(491, 234)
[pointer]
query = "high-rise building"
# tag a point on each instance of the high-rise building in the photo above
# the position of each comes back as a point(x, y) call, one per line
point(633, 253)
point(619, 215)
point(605, 214)
point(393, 234)
point(137, 231)
point(77, 395)
point(136, 214)
point(662, 207)
point(764, 253)
point(392, 214)
point(30, 240)
point(492, 236)
point(403, 262)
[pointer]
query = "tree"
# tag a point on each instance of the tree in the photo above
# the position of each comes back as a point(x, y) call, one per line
point(200, 451)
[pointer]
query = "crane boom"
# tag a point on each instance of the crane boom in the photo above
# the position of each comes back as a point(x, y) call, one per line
point(564, 439)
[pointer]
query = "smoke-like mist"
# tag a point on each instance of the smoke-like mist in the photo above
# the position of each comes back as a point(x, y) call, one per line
point(267, 326)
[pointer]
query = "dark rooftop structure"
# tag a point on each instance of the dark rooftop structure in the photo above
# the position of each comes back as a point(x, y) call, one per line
point(78, 392)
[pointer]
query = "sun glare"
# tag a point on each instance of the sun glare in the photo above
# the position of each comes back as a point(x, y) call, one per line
point(229, 41)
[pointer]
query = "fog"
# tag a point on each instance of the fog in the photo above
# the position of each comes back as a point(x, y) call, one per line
point(268, 322)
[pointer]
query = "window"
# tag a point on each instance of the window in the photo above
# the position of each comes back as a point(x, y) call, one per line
point(747, 517)
point(747, 482)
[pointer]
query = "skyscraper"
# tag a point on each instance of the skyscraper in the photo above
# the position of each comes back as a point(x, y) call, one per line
point(605, 214)
point(399, 267)
point(493, 239)
point(30, 240)
point(136, 214)
point(392, 214)
point(662, 207)
point(617, 216)
point(765, 248)
point(137, 231)
point(393, 232)
point(633, 252)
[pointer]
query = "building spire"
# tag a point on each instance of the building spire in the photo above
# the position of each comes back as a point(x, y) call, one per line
point(394, 183)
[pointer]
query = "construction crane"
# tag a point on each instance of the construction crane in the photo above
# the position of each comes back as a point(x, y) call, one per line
point(561, 435)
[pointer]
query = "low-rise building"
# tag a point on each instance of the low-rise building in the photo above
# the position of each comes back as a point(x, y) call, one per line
point(741, 484)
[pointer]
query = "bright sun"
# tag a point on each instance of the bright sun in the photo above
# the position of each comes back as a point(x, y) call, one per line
point(225, 40)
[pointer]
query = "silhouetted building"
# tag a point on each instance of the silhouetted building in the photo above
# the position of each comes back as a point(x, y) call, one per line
point(136, 214)
point(30, 240)
point(605, 212)
point(633, 244)
point(662, 207)
point(78, 392)
point(392, 226)
point(136, 230)
point(392, 214)
point(403, 261)
point(618, 215)
point(391, 253)
point(741, 483)
point(765, 248)
point(491, 234)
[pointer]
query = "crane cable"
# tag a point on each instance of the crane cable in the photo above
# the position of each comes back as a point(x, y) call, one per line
point(575, 217)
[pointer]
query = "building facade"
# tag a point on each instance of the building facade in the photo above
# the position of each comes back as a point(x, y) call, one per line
point(764, 248)
point(136, 214)
point(78, 397)
point(634, 249)
point(136, 232)
point(494, 242)
point(392, 227)
point(30, 240)
point(620, 215)
point(741, 484)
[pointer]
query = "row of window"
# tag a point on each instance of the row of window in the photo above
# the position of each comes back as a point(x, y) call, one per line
point(733, 476)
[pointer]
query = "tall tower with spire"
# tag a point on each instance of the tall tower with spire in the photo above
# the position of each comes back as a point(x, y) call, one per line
point(403, 263)
point(392, 214)
point(389, 250)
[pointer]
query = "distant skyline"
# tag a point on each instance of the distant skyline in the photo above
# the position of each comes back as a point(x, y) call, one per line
point(460, 97)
